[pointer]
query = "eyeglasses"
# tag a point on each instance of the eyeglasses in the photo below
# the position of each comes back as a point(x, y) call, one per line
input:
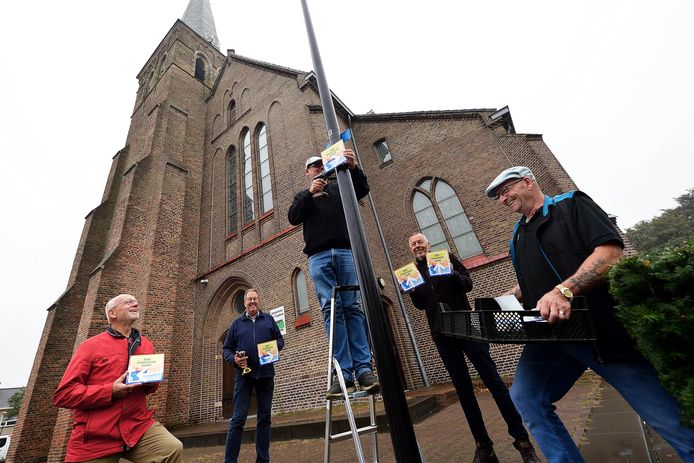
point(318, 164)
point(504, 191)
point(130, 302)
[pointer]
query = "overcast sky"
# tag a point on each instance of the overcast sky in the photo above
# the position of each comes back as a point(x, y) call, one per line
point(607, 83)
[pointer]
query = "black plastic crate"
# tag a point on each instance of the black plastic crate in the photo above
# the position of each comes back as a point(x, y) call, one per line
point(489, 323)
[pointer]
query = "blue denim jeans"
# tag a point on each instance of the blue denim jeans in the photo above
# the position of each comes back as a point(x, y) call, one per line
point(451, 351)
point(243, 388)
point(335, 267)
point(546, 373)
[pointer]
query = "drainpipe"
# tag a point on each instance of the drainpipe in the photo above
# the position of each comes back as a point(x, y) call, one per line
point(401, 303)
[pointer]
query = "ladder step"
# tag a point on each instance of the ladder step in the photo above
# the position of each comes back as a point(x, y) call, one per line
point(366, 430)
point(357, 395)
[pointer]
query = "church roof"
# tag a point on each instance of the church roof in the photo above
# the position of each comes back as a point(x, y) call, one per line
point(198, 16)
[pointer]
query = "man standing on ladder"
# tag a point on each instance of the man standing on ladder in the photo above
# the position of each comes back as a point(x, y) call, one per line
point(330, 263)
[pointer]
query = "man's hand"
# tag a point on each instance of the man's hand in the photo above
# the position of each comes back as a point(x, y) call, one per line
point(242, 362)
point(317, 185)
point(351, 160)
point(120, 389)
point(554, 307)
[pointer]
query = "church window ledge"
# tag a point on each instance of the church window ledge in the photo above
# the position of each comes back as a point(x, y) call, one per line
point(303, 321)
point(482, 260)
point(262, 218)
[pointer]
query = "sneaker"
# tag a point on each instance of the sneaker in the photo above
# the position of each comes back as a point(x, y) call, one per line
point(527, 451)
point(369, 382)
point(484, 453)
point(336, 393)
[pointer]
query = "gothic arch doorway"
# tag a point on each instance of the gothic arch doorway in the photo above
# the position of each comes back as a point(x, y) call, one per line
point(217, 378)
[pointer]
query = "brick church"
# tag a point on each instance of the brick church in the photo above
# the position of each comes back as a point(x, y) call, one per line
point(194, 212)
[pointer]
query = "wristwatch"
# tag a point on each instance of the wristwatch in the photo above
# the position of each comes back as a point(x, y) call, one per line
point(566, 292)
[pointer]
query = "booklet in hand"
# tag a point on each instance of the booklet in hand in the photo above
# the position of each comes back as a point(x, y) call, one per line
point(408, 276)
point(333, 156)
point(439, 263)
point(146, 368)
point(268, 352)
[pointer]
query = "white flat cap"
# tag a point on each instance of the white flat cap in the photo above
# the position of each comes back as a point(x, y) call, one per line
point(313, 159)
point(508, 174)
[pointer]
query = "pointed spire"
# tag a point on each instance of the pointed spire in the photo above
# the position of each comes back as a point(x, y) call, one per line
point(198, 16)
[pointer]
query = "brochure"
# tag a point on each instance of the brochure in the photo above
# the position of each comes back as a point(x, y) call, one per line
point(333, 156)
point(268, 352)
point(439, 263)
point(146, 368)
point(408, 276)
point(278, 315)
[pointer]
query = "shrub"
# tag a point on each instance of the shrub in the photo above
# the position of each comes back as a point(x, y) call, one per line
point(656, 304)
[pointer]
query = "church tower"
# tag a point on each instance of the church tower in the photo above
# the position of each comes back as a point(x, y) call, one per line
point(141, 238)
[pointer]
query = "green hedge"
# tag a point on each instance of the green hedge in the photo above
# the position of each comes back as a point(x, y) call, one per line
point(655, 294)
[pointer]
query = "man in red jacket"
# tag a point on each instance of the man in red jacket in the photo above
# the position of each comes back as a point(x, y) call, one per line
point(110, 418)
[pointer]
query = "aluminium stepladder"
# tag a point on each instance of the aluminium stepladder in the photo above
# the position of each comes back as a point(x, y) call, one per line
point(354, 431)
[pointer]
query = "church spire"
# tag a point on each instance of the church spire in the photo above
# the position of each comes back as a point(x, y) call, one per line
point(198, 16)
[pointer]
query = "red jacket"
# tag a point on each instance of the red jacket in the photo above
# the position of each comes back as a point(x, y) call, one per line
point(102, 425)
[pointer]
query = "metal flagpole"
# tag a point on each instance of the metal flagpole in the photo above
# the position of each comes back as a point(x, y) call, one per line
point(401, 429)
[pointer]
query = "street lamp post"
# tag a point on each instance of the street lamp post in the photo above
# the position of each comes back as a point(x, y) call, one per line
point(401, 429)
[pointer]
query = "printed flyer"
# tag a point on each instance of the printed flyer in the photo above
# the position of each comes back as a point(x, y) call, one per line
point(147, 368)
point(408, 276)
point(439, 263)
point(268, 352)
point(333, 156)
point(278, 315)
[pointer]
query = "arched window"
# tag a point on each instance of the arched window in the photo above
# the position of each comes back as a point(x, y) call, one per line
point(237, 305)
point(231, 111)
point(300, 292)
point(200, 69)
point(265, 180)
point(248, 209)
point(441, 217)
point(232, 185)
point(245, 100)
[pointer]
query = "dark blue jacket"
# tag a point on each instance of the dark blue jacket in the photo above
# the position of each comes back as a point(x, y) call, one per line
point(245, 334)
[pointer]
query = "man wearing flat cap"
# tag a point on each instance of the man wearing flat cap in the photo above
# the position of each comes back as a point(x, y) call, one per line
point(561, 247)
point(330, 263)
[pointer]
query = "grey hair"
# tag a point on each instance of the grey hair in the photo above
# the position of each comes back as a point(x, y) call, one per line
point(418, 233)
point(111, 304)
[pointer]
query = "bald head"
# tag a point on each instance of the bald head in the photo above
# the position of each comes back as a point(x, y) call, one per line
point(122, 300)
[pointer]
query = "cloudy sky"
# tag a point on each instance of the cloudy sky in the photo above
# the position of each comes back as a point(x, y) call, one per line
point(608, 84)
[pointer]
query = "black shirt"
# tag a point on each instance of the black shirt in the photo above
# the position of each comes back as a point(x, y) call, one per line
point(529, 256)
point(324, 221)
point(559, 237)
